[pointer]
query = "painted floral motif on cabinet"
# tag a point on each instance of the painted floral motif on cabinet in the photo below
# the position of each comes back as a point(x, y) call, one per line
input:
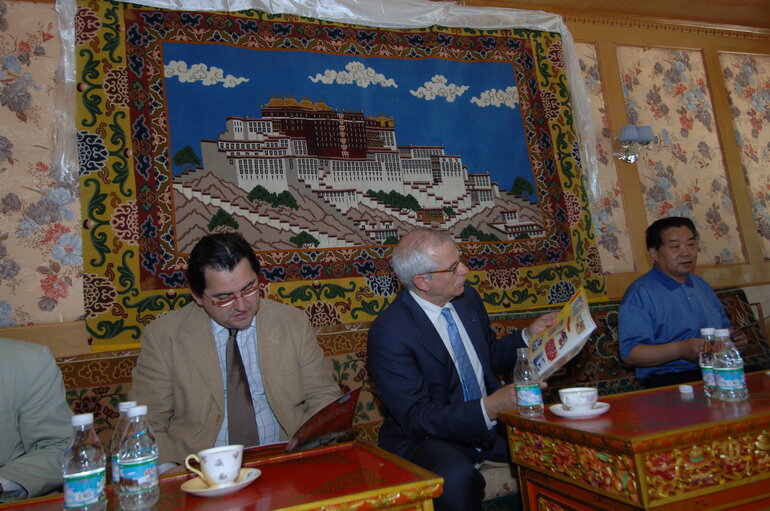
point(609, 215)
point(683, 174)
point(41, 256)
point(747, 79)
point(605, 472)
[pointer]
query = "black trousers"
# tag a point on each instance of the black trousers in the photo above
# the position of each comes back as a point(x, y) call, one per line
point(463, 482)
point(661, 380)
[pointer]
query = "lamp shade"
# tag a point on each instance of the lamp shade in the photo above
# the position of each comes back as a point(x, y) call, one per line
point(629, 133)
point(645, 134)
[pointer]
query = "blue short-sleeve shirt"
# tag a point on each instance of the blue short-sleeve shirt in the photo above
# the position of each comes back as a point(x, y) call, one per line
point(656, 309)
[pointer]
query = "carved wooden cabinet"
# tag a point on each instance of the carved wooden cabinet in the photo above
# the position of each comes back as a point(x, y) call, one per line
point(653, 449)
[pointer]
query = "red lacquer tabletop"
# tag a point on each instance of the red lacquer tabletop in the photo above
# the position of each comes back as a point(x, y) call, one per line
point(288, 480)
point(659, 411)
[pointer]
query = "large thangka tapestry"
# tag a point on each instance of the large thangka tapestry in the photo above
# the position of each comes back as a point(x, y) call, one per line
point(198, 122)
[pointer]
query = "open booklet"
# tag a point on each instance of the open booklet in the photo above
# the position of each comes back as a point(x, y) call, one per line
point(333, 422)
point(555, 346)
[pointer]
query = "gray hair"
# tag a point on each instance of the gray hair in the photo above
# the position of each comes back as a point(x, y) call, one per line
point(414, 254)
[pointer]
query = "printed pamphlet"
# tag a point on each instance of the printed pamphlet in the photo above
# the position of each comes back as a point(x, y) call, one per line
point(556, 345)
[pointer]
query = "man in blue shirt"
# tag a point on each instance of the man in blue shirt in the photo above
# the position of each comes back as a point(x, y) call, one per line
point(663, 311)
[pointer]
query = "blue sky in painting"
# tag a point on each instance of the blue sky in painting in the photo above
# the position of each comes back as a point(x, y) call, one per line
point(487, 138)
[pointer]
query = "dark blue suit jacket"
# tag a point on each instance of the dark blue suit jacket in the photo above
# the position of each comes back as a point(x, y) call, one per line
point(418, 381)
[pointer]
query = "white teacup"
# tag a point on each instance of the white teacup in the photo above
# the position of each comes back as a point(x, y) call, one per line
point(578, 398)
point(219, 466)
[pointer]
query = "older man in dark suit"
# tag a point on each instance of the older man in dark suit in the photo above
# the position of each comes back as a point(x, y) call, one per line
point(434, 358)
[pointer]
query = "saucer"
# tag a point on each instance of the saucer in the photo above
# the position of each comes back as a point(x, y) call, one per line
point(598, 409)
point(197, 486)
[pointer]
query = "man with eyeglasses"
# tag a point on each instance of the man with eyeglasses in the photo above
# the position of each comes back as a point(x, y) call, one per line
point(230, 367)
point(663, 311)
point(434, 358)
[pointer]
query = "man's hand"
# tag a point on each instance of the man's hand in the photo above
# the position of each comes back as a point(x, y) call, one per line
point(740, 339)
point(502, 399)
point(691, 348)
point(541, 324)
point(649, 355)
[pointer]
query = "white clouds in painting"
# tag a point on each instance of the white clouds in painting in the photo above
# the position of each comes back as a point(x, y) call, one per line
point(201, 73)
point(493, 97)
point(438, 87)
point(355, 73)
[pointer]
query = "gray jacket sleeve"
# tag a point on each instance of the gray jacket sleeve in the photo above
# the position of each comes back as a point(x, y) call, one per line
point(34, 417)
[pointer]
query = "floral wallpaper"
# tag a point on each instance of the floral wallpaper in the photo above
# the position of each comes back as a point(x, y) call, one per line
point(41, 258)
point(609, 215)
point(747, 79)
point(683, 173)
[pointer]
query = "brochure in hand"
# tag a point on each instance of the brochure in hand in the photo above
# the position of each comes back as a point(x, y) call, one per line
point(333, 422)
point(555, 346)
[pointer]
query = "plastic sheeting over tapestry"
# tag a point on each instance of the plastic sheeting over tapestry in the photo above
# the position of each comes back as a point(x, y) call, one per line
point(382, 13)
point(323, 189)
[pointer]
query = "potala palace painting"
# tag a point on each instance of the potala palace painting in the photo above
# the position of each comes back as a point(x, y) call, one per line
point(322, 152)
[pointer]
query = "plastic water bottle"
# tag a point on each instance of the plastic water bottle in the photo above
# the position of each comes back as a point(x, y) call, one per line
point(84, 467)
point(138, 462)
point(728, 368)
point(706, 361)
point(117, 435)
point(529, 397)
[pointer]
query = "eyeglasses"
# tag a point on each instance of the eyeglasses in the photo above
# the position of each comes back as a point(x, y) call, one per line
point(452, 269)
point(226, 302)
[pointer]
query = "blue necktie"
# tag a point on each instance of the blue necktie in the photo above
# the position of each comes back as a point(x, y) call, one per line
point(471, 388)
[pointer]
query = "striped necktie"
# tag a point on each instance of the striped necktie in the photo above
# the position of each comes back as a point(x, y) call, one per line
point(470, 384)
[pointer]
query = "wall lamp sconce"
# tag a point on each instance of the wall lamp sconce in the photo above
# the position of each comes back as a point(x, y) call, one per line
point(633, 141)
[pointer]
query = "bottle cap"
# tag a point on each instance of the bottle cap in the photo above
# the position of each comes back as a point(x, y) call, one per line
point(136, 411)
point(82, 419)
point(125, 405)
point(706, 331)
point(721, 332)
point(686, 389)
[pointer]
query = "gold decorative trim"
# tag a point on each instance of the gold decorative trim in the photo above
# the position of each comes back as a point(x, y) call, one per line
point(692, 27)
point(413, 498)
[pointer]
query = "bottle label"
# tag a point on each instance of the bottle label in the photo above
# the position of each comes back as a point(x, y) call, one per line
point(115, 469)
point(709, 378)
point(529, 395)
point(730, 378)
point(138, 475)
point(84, 488)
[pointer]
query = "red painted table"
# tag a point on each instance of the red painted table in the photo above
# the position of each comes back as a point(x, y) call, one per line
point(347, 476)
point(654, 449)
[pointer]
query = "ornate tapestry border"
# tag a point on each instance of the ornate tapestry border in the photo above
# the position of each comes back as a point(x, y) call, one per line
point(128, 202)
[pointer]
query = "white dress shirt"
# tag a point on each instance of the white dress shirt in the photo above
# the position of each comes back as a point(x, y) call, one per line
point(433, 312)
point(267, 424)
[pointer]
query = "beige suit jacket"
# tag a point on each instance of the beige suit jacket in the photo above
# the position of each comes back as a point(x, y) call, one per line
point(178, 376)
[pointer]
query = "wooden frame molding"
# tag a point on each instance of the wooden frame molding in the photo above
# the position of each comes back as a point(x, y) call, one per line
point(64, 339)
